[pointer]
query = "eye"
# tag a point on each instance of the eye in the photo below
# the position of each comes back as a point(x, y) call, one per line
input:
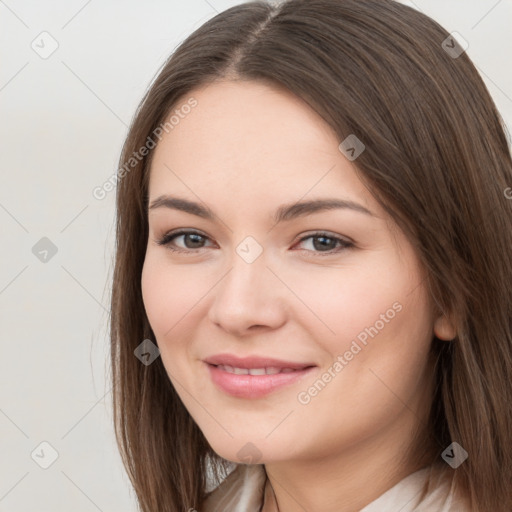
point(325, 244)
point(192, 239)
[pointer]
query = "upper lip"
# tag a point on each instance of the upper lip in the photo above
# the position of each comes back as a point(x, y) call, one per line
point(254, 362)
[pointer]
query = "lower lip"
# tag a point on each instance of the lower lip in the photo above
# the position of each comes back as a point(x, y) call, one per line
point(253, 386)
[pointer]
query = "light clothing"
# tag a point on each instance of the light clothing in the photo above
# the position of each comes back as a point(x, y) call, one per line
point(243, 491)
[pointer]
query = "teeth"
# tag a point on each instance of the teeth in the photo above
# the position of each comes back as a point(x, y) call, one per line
point(271, 370)
point(257, 371)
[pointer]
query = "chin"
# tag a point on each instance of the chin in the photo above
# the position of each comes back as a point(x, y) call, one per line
point(247, 450)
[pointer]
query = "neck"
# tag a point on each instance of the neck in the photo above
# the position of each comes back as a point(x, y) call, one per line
point(346, 481)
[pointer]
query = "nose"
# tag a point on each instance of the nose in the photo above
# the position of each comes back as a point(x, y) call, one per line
point(248, 298)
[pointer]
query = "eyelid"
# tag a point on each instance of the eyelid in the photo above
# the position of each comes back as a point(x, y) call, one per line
point(327, 234)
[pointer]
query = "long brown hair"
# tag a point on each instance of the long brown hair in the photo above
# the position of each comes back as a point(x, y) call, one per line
point(436, 158)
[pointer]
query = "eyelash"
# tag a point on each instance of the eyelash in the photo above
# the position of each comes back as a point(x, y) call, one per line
point(169, 237)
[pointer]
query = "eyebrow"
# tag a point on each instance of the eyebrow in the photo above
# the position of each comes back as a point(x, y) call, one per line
point(285, 212)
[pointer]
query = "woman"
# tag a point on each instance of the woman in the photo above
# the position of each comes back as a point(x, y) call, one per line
point(313, 228)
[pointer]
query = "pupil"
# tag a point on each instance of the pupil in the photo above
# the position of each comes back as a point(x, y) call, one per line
point(321, 238)
point(191, 235)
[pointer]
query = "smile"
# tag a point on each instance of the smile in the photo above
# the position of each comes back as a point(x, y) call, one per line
point(270, 370)
point(254, 377)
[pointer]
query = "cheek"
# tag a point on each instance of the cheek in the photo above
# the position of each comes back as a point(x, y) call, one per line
point(343, 303)
point(369, 387)
point(376, 318)
point(155, 294)
point(169, 293)
point(168, 303)
point(394, 334)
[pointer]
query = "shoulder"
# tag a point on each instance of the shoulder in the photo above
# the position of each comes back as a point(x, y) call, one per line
point(241, 490)
point(442, 493)
point(423, 491)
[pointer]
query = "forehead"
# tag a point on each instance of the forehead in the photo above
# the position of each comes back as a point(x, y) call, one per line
point(246, 138)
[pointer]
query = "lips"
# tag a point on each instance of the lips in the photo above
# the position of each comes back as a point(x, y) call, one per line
point(253, 377)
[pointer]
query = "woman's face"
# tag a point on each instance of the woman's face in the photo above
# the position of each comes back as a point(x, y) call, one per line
point(268, 282)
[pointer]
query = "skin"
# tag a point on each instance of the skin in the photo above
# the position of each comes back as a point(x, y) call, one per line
point(244, 150)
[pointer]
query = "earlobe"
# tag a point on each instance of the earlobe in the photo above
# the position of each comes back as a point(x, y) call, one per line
point(444, 328)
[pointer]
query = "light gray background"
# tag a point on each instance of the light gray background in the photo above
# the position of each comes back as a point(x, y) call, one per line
point(63, 120)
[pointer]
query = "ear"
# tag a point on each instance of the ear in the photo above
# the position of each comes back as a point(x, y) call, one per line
point(444, 328)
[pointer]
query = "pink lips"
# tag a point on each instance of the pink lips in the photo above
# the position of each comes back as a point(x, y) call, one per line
point(253, 377)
